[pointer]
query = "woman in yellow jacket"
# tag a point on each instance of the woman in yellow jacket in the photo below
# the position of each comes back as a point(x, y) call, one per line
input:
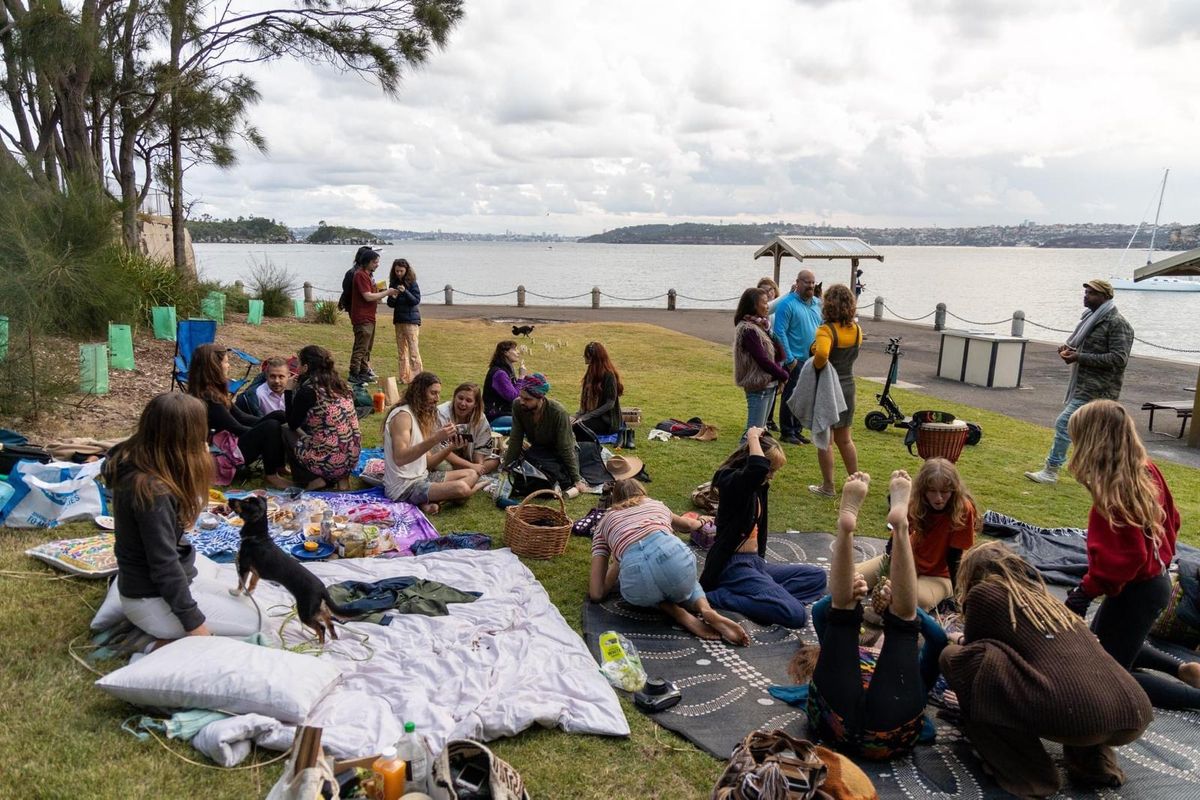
point(837, 343)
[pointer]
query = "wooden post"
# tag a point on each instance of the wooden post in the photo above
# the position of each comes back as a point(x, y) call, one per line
point(878, 309)
point(595, 297)
point(308, 292)
point(521, 296)
point(778, 257)
point(449, 295)
point(1194, 433)
point(1018, 323)
point(853, 274)
point(671, 300)
point(939, 317)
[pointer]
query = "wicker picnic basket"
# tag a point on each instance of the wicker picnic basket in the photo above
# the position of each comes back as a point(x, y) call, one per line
point(942, 439)
point(631, 416)
point(537, 531)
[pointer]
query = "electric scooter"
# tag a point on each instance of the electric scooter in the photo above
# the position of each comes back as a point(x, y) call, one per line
point(892, 415)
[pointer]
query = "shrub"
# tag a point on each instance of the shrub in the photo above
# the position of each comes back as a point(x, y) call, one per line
point(274, 285)
point(326, 312)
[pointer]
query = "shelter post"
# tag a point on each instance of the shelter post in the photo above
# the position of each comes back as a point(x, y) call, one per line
point(1194, 433)
point(778, 258)
point(853, 274)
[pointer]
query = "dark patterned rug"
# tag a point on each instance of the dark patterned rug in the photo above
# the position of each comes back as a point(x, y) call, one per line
point(725, 697)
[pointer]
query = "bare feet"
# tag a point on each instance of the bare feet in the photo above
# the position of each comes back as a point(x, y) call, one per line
point(899, 490)
point(429, 509)
point(315, 484)
point(697, 627)
point(854, 492)
point(730, 631)
point(1190, 674)
point(859, 589)
point(279, 482)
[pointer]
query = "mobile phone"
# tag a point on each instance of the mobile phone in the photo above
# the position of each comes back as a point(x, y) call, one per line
point(471, 777)
point(463, 429)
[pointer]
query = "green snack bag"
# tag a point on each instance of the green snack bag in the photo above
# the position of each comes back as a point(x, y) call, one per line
point(120, 346)
point(299, 308)
point(256, 312)
point(93, 368)
point(164, 322)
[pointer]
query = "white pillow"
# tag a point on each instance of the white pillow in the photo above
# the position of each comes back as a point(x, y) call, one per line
point(223, 674)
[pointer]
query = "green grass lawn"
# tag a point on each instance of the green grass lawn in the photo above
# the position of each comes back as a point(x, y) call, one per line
point(62, 737)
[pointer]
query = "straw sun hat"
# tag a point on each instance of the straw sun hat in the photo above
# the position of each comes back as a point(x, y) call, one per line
point(622, 467)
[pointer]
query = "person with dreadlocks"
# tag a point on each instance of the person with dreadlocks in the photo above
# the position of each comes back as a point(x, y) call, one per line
point(1017, 674)
point(546, 425)
point(1132, 529)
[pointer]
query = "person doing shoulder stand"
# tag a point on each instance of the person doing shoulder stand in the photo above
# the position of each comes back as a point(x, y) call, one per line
point(1132, 528)
point(406, 318)
point(1027, 669)
point(736, 574)
point(943, 521)
point(756, 356)
point(159, 480)
point(410, 436)
point(633, 547)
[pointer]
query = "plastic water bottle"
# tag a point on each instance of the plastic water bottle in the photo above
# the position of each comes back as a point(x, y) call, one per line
point(411, 748)
point(327, 526)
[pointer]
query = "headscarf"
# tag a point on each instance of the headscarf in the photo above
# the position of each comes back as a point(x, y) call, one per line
point(536, 384)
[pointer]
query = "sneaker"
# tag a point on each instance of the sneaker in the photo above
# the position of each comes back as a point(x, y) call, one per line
point(771, 426)
point(803, 439)
point(369, 376)
point(792, 438)
point(354, 378)
point(1046, 474)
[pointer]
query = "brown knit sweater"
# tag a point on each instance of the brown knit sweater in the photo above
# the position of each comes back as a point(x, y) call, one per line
point(1054, 686)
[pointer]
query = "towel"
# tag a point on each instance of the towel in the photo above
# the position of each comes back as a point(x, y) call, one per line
point(818, 401)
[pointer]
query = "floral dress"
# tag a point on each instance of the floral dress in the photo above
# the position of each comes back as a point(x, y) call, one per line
point(331, 448)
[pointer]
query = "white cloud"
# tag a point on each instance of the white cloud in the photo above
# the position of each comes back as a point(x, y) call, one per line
point(869, 111)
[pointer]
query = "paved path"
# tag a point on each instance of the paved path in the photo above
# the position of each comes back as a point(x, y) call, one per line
point(1039, 400)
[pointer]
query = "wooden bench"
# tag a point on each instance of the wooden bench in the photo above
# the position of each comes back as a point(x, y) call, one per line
point(1182, 409)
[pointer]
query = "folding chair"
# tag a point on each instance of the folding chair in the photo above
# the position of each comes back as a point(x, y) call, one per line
point(190, 334)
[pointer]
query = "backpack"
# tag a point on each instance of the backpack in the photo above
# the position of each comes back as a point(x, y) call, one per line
point(680, 428)
point(227, 457)
point(347, 290)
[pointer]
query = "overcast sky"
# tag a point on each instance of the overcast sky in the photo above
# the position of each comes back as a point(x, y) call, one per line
point(573, 116)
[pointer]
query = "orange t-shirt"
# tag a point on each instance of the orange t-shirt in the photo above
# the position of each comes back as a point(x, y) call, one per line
point(930, 545)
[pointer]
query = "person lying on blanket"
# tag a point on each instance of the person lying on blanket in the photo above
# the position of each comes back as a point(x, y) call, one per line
point(1019, 673)
point(883, 719)
point(159, 480)
point(943, 522)
point(633, 546)
point(736, 574)
point(411, 438)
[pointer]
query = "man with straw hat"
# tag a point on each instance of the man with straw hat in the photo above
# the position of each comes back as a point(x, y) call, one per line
point(1097, 351)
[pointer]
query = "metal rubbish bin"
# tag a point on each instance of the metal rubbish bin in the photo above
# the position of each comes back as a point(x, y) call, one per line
point(981, 358)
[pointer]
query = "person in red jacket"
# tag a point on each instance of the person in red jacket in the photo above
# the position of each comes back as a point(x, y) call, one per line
point(1131, 535)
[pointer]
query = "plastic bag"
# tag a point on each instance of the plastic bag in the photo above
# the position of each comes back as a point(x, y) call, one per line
point(620, 662)
point(47, 495)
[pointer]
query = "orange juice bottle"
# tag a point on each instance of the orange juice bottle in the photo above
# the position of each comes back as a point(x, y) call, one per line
point(389, 774)
point(379, 400)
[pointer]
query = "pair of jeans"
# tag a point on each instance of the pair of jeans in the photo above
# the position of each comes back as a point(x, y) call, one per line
point(1062, 440)
point(757, 405)
point(659, 568)
point(789, 425)
point(769, 594)
point(1122, 624)
point(360, 354)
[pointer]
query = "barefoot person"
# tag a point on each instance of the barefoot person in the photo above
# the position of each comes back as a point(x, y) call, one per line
point(883, 719)
point(1027, 669)
point(633, 546)
point(410, 434)
point(736, 574)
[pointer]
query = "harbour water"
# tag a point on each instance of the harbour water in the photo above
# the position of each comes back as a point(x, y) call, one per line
point(982, 285)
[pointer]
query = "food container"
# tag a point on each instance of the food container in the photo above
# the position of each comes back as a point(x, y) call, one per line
point(353, 543)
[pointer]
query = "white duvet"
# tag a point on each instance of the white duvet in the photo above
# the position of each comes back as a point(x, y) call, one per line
point(491, 668)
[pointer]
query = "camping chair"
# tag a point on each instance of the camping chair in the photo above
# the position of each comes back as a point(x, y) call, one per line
point(190, 334)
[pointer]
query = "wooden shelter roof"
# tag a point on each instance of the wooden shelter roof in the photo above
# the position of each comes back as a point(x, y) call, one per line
point(831, 247)
point(1185, 263)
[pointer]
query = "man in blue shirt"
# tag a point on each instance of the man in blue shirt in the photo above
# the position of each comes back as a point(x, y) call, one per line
point(797, 318)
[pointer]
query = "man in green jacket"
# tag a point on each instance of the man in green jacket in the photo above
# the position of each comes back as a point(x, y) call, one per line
point(547, 427)
point(1097, 351)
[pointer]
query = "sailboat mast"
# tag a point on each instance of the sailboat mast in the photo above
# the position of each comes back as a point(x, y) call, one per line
point(1157, 211)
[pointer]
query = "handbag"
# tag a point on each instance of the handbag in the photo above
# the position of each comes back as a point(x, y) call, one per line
point(226, 456)
point(705, 497)
point(466, 768)
point(772, 766)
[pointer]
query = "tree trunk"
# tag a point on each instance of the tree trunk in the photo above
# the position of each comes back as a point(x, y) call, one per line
point(177, 10)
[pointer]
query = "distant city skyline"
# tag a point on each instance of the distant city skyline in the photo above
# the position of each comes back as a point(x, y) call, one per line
point(574, 118)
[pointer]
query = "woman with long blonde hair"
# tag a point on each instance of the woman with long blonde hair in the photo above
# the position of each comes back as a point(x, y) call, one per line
point(159, 479)
point(1132, 529)
point(1017, 673)
point(633, 547)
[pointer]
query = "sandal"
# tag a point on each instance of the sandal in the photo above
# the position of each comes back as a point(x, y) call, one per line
point(817, 490)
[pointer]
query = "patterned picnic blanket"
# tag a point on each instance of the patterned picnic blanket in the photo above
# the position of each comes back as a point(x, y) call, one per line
point(404, 522)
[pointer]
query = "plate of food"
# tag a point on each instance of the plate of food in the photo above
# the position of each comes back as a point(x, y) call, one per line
point(106, 522)
point(322, 550)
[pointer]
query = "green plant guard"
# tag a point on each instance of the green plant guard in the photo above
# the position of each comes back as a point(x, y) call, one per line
point(213, 307)
point(120, 346)
point(255, 315)
point(93, 368)
point(299, 308)
point(164, 321)
point(3, 338)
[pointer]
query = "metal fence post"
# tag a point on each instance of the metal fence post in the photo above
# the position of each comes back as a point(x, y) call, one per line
point(671, 300)
point(1018, 323)
point(595, 297)
point(520, 296)
point(449, 295)
point(878, 309)
point(939, 317)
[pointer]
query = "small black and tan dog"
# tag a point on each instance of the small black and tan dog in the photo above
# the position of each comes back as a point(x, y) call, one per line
point(522, 330)
point(259, 557)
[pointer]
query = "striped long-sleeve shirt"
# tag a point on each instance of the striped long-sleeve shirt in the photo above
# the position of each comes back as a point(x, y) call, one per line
point(621, 527)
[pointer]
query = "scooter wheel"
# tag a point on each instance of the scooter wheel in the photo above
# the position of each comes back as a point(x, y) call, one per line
point(876, 421)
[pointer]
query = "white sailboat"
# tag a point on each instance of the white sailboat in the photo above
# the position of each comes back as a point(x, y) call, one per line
point(1155, 284)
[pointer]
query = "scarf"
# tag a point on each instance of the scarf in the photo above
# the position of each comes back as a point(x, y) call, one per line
point(1087, 324)
point(761, 322)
